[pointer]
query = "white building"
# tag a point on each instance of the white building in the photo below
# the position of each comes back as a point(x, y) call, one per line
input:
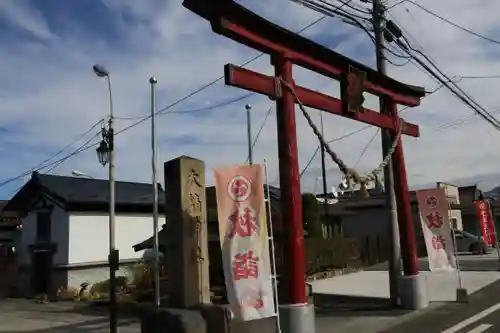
point(65, 234)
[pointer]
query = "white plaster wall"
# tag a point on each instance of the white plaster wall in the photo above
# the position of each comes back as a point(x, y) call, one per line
point(453, 196)
point(89, 235)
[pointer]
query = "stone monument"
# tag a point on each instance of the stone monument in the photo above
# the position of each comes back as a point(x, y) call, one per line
point(186, 255)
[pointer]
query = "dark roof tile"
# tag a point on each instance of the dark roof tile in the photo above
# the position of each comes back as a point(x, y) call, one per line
point(83, 190)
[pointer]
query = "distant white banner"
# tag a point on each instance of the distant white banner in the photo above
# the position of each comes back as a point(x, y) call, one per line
point(433, 207)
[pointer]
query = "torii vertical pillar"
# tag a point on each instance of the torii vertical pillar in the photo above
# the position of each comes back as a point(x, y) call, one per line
point(297, 315)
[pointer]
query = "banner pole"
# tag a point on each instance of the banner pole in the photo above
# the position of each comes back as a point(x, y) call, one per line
point(494, 229)
point(461, 292)
point(273, 255)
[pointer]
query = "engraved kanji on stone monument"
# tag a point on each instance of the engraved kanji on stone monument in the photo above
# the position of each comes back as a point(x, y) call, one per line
point(188, 265)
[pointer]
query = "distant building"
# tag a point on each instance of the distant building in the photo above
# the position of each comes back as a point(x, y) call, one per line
point(65, 229)
point(355, 217)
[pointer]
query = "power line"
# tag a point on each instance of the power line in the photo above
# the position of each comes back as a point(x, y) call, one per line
point(460, 94)
point(332, 141)
point(79, 150)
point(207, 108)
point(444, 19)
point(364, 128)
point(194, 92)
point(41, 164)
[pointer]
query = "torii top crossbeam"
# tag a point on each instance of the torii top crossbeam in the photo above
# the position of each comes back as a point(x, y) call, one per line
point(232, 20)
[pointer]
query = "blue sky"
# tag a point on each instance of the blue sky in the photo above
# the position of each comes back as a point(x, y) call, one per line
point(50, 96)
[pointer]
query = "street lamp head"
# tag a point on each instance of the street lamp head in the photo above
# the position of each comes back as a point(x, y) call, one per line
point(103, 153)
point(153, 80)
point(248, 107)
point(100, 70)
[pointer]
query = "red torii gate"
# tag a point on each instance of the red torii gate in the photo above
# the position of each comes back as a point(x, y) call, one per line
point(232, 20)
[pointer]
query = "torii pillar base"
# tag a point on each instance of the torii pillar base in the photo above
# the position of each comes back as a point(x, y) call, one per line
point(297, 318)
point(413, 292)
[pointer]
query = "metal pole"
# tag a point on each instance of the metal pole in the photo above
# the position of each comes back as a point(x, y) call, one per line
point(323, 173)
point(387, 138)
point(113, 254)
point(455, 246)
point(154, 163)
point(273, 252)
point(248, 107)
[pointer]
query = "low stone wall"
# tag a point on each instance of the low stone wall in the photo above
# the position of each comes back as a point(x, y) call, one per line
point(332, 273)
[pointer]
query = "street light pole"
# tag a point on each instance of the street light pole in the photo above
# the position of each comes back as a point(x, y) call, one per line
point(248, 107)
point(154, 164)
point(395, 258)
point(113, 258)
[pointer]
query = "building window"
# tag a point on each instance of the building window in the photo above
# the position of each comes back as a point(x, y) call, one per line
point(43, 226)
point(454, 223)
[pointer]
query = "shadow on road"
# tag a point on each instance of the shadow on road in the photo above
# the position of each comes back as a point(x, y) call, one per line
point(89, 326)
point(328, 305)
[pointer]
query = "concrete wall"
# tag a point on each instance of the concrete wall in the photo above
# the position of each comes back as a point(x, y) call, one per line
point(372, 222)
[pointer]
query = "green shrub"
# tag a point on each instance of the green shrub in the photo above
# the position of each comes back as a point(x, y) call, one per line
point(102, 287)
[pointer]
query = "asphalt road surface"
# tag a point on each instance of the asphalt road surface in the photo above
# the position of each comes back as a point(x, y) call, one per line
point(467, 262)
point(480, 314)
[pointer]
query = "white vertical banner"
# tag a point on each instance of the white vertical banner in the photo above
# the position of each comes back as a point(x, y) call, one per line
point(244, 240)
point(433, 208)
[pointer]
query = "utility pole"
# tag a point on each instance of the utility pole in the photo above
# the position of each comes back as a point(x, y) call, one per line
point(387, 138)
point(154, 164)
point(323, 174)
point(248, 107)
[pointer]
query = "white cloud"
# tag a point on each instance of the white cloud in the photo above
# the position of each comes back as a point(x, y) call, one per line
point(50, 95)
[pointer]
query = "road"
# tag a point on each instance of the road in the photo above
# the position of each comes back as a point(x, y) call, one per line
point(481, 314)
point(467, 262)
point(59, 317)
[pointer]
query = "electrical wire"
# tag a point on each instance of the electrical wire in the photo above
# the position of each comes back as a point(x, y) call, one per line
point(460, 94)
point(82, 148)
point(444, 19)
point(332, 141)
point(163, 110)
point(208, 108)
point(364, 128)
point(365, 149)
point(59, 152)
point(348, 4)
point(349, 19)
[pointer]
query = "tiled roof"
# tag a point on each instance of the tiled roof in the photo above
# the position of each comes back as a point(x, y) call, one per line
point(85, 190)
